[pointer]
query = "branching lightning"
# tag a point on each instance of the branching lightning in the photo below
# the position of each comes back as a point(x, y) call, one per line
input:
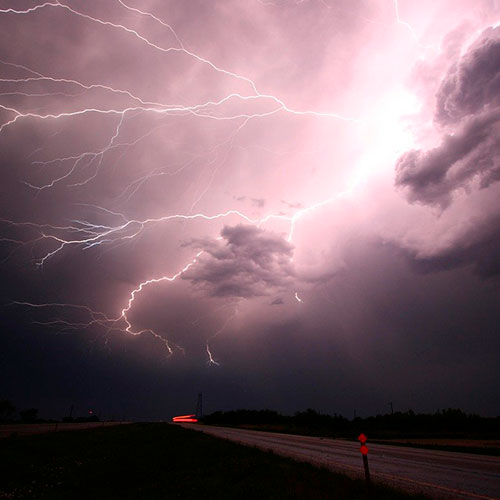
point(404, 23)
point(48, 240)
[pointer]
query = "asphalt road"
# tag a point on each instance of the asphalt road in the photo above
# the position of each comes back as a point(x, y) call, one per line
point(440, 474)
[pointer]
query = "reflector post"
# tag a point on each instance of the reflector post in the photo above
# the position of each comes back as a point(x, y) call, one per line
point(364, 453)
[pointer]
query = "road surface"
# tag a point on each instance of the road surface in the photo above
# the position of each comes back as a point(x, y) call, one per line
point(440, 474)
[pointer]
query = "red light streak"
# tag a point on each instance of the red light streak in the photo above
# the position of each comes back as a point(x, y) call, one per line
point(185, 418)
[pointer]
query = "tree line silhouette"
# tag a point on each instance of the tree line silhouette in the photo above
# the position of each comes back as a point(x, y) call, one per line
point(9, 414)
point(449, 421)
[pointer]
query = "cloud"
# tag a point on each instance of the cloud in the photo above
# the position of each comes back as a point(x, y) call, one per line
point(246, 262)
point(473, 84)
point(468, 104)
point(455, 174)
point(277, 302)
point(432, 177)
point(258, 202)
point(479, 247)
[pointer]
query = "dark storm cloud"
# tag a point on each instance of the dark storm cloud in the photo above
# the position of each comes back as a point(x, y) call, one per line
point(277, 302)
point(479, 247)
point(431, 177)
point(468, 102)
point(473, 84)
point(379, 331)
point(467, 159)
point(247, 262)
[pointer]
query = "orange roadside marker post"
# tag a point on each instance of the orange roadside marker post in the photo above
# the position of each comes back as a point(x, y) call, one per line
point(364, 452)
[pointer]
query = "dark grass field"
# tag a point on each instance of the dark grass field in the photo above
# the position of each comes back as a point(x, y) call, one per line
point(142, 461)
point(447, 445)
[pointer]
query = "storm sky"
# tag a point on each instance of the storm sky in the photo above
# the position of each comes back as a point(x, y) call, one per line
point(282, 204)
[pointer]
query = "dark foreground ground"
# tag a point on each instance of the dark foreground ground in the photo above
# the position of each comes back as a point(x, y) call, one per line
point(162, 461)
point(443, 475)
point(17, 429)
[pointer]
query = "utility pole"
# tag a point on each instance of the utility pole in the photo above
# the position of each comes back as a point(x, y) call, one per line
point(392, 409)
point(199, 406)
point(364, 453)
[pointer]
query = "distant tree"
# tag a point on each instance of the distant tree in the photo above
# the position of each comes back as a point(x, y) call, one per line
point(409, 423)
point(7, 409)
point(29, 415)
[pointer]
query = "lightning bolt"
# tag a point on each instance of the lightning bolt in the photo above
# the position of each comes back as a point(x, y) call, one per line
point(411, 30)
point(196, 109)
point(48, 240)
point(211, 360)
point(404, 23)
